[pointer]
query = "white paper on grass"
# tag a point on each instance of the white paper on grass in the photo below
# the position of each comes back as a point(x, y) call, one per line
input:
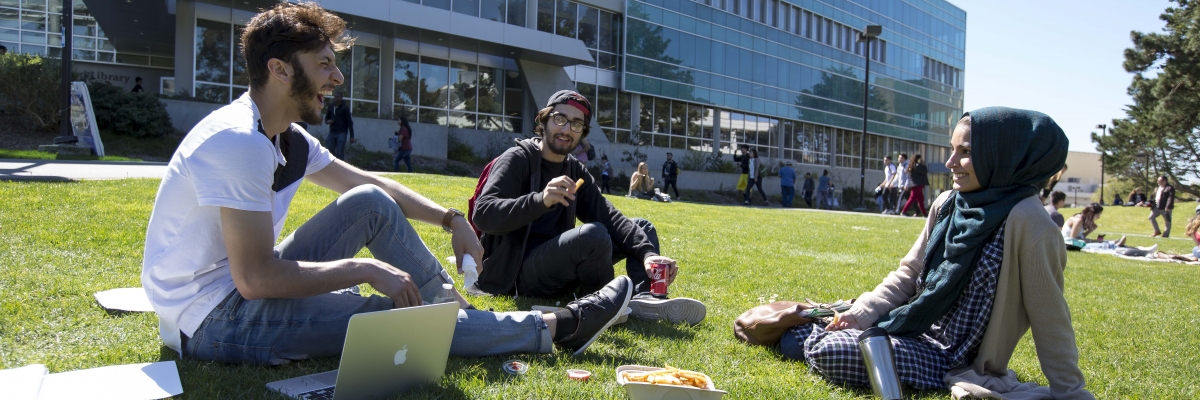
point(133, 381)
point(23, 383)
point(124, 299)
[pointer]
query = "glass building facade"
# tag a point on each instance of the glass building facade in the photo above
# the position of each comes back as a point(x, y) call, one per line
point(786, 77)
point(35, 27)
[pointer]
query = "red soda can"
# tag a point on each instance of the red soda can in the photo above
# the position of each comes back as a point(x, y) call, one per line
point(658, 278)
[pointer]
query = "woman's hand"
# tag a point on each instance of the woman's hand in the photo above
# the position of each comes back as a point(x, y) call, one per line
point(842, 321)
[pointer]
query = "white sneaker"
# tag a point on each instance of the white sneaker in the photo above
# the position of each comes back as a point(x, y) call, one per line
point(676, 310)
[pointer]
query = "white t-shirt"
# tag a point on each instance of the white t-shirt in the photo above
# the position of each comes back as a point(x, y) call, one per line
point(889, 172)
point(903, 179)
point(225, 161)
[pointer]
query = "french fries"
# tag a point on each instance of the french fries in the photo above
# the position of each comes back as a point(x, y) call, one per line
point(578, 184)
point(669, 376)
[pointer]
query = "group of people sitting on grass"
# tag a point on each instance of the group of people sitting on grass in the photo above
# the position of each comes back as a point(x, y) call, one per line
point(987, 267)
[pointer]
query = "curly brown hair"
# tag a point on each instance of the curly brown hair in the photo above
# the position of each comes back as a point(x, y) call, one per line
point(286, 30)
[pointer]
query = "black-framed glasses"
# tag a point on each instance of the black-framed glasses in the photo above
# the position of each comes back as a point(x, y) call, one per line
point(560, 120)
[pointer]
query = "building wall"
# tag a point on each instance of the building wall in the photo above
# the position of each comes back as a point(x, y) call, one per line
point(1082, 178)
point(122, 75)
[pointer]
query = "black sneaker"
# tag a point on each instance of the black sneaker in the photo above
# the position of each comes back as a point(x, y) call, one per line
point(676, 310)
point(596, 312)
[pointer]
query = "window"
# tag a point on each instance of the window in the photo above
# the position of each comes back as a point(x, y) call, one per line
point(463, 95)
point(1072, 180)
point(33, 27)
point(220, 74)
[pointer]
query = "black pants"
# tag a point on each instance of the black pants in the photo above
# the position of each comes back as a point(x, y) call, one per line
point(753, 183)
point(604, 184)
point(808, 198)
point(889, 198)
point(581, 258)
point(668, 184)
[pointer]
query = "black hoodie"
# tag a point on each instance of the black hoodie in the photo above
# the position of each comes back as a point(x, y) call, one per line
point(511, 200)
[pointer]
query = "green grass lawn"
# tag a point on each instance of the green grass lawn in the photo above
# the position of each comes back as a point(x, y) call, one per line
point(1137, 322)
point(41, 155)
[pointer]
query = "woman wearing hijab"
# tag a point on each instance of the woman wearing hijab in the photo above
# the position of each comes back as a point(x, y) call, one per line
point(987, 267)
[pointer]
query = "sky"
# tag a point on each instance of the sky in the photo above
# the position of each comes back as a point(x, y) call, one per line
point(1059, 57)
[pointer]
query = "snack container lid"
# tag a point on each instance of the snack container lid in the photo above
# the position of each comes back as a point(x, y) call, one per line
point(649, 391)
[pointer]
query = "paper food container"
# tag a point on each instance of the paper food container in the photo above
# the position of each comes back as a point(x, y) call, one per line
point(649, 391)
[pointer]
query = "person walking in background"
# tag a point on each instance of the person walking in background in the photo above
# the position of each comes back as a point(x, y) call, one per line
point(1057, 200)
point(787, 183)
point(808, 188)
point(755, 179)
point(605, 174)
point(670, 173)
point(404, 152)
point(903, 181)
point(137, 85)
point(742, 157)
point(1164, 202)
point(918, 175)
point(889, 176)
point(341, 126)
point(824, 190)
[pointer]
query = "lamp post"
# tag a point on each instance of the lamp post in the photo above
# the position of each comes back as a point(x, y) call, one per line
point(871, 32)
point(1103, 132)
point(66, 135)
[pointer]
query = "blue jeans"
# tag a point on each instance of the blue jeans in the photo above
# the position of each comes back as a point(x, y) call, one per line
point(336, 142)
point(405, 155)
point(276, 331)
point(789, 193)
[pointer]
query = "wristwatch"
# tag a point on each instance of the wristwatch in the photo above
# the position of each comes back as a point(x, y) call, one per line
point(450, 214)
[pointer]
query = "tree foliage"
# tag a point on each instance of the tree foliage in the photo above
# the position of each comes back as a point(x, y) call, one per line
point(30, 88)
point(1160, 134)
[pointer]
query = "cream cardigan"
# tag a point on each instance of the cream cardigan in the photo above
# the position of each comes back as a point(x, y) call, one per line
point(1029, 294)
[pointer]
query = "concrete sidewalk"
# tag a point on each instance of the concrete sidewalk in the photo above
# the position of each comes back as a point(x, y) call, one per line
point(54, 170)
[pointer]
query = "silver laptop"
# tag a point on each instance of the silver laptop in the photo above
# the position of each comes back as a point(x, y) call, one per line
point(386, 352)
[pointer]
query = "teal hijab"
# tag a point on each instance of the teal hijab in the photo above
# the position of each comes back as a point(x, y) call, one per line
point(1013, 152)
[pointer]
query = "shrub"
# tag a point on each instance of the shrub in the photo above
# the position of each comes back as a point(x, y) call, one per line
point(30, 88)
point(694, 160)
point(139, 115)
point(458, 150)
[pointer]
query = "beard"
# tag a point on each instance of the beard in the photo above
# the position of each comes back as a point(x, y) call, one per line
point(548, 140)
point(303, 92)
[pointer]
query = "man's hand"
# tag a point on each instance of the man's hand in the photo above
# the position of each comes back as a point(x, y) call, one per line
point(560, 190)
point(672, 269)
point(329, 122)
point(464, 241)
point(394, 283)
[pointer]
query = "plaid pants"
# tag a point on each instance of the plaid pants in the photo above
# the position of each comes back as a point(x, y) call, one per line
point(921, 361)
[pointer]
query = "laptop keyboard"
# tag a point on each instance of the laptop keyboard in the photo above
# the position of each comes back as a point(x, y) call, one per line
point(319, 394)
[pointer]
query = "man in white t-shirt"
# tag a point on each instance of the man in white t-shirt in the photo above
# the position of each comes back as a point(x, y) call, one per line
point(224, 291)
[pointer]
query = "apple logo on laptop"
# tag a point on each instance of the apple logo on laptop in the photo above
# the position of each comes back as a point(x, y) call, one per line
point(401, 355)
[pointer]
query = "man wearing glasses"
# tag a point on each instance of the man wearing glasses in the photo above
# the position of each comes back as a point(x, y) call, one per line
point(527, 210)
